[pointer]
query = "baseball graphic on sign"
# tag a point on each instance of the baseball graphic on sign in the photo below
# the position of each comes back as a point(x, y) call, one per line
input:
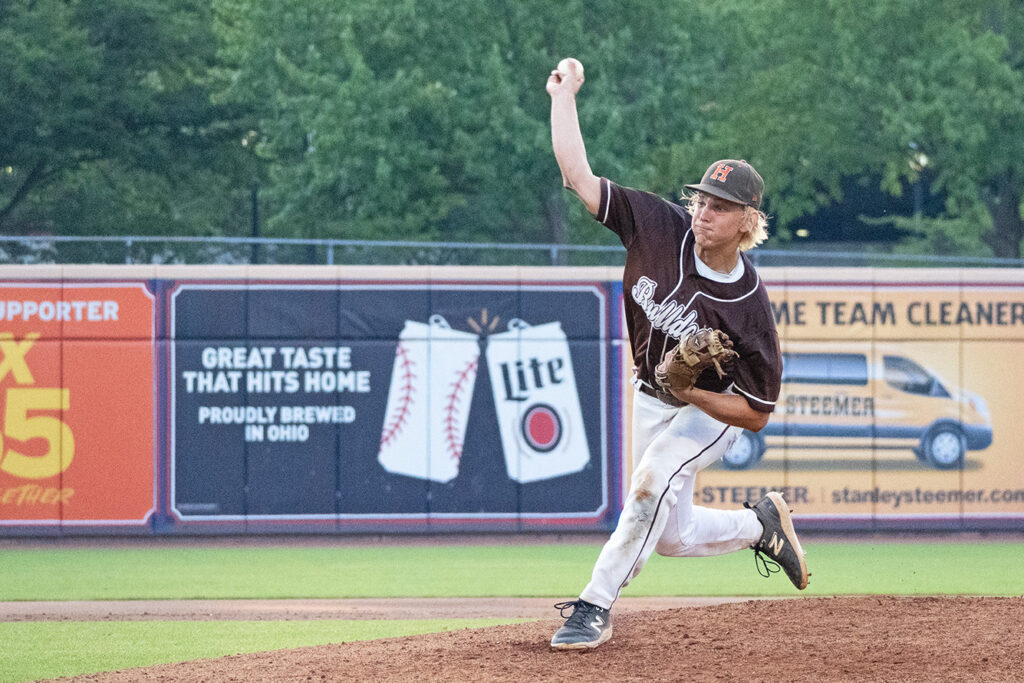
point(428, 402)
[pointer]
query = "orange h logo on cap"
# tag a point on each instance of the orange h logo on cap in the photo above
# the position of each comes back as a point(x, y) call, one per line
point(721, 172)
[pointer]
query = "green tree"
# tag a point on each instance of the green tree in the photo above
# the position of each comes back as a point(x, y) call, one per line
point(821, 91)
point(42, 95)
point(108, 122)
point(429, 120)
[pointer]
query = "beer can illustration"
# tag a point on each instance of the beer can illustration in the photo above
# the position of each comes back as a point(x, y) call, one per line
point(535, 398)
point(428, 401)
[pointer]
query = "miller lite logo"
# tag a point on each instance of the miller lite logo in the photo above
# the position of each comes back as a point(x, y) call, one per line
point(541, 428)
point(536, 402)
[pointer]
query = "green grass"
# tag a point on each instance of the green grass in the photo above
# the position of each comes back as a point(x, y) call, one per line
point(554, 571)
point(49, 649)
point(492, 570)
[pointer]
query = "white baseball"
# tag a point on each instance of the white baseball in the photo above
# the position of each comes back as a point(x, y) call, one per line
point(571, 67)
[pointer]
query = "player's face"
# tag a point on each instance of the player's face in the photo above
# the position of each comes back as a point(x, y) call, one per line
point(717, 223)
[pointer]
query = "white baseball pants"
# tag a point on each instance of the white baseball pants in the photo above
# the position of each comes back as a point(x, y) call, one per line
point(670, 446)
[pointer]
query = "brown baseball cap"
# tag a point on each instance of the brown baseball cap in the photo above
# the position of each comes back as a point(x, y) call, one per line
point(734, 180)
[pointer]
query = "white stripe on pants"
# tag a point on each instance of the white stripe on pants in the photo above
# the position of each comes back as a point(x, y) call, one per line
point(670, 446)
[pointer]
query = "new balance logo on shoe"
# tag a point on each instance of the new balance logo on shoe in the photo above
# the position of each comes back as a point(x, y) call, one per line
point(587, 627)
point(778, 546)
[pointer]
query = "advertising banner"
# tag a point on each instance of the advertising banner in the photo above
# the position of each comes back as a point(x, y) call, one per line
point(76, 404)
point(451, 403)
point(343, 402)
point(898, 401)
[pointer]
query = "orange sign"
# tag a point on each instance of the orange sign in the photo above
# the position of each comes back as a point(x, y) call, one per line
point(76, 403)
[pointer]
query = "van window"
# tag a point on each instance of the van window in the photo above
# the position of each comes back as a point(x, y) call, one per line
point(825, 368)
point(906, 375)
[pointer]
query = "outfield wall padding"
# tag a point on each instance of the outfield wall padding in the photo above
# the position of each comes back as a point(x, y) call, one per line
point(266, 399)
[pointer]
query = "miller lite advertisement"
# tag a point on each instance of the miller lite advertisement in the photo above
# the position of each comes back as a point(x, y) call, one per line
point(337, 403)
point(535, 397)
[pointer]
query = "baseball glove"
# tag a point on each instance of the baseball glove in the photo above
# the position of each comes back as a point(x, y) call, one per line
point(694, 354)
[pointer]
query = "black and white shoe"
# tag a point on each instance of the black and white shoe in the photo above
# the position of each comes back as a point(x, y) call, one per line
point(778, 542)
point(587, 627)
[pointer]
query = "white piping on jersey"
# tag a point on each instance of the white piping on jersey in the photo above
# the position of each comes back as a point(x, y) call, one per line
point(682, 252)
point(608, 205)
point(728, 390)
point(751, 396)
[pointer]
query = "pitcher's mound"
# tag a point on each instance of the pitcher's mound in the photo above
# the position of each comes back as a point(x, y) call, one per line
point(808, 639)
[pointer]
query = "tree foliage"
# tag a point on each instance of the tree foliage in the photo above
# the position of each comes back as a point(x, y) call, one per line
point(108, 126)
point(428, 119)
point(831, 89)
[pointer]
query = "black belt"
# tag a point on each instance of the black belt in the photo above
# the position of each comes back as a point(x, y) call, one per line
point(662, 396)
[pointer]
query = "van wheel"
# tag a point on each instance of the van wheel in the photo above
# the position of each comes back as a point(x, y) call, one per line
point(747, 449)
point(944, 448)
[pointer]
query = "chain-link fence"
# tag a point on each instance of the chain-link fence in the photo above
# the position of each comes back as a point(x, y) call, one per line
point(246, 250)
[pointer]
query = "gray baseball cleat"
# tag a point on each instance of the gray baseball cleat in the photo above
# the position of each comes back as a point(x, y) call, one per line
point(778, 543)
point(587, 627)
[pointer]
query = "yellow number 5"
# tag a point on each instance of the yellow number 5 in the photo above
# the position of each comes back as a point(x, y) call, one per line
point(18, 425)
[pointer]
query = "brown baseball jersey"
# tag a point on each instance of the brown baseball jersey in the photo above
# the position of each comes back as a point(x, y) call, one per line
point(668, 295)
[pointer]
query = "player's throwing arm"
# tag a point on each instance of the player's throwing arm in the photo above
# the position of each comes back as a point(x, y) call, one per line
point(566, 138)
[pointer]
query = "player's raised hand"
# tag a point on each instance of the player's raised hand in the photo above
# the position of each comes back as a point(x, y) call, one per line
point(567, 77)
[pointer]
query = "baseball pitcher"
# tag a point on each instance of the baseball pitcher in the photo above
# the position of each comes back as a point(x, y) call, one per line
point(707, 365)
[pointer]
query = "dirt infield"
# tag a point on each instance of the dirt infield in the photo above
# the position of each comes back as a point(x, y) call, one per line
point(270, 610)
point(804, 639)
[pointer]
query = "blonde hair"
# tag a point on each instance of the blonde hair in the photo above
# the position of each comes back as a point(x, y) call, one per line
point(754, 220)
